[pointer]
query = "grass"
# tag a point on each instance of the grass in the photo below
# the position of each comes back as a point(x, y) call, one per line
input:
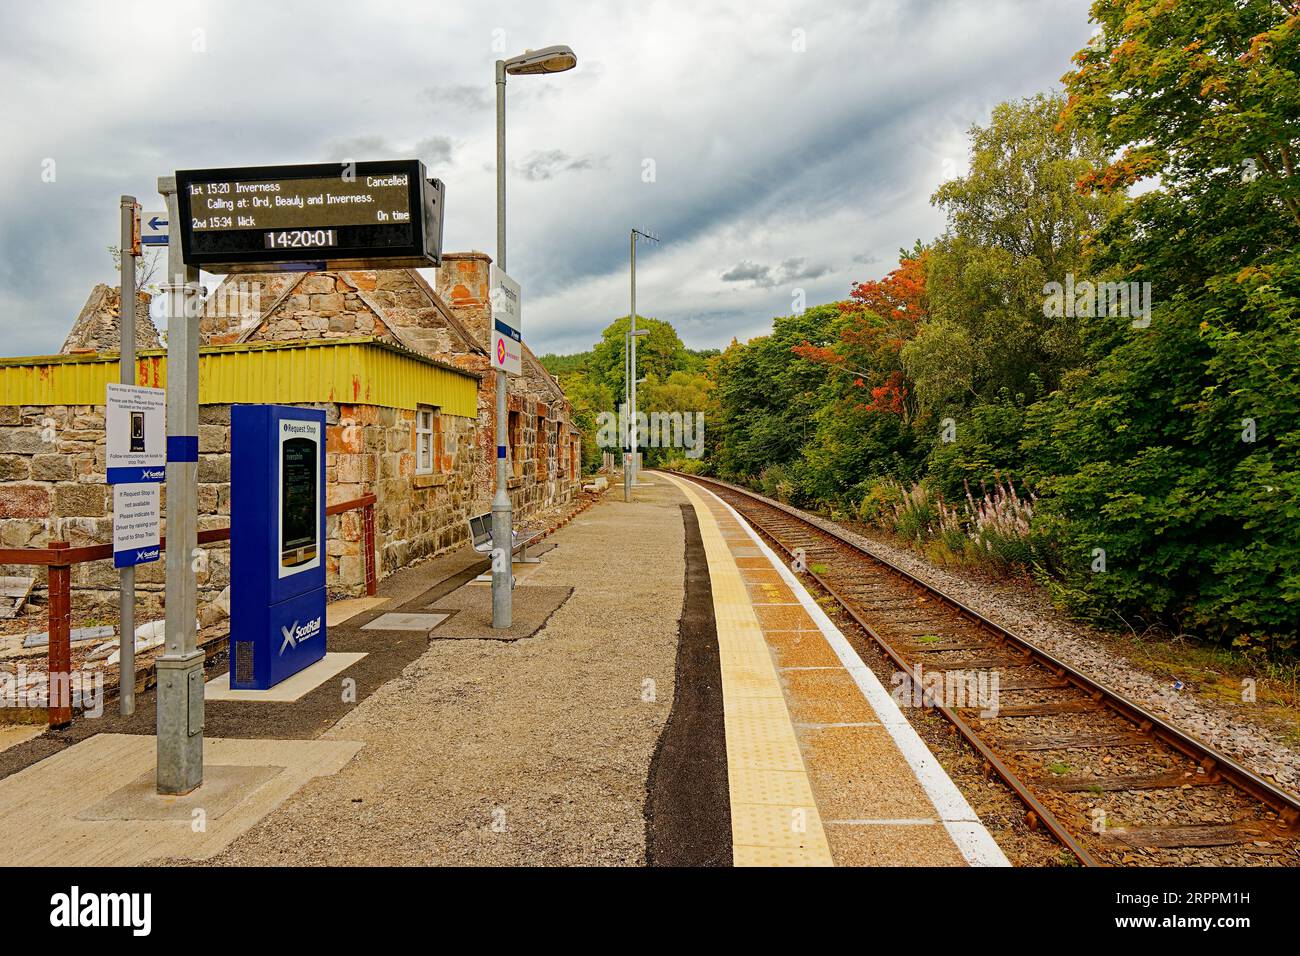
point(1059, 768)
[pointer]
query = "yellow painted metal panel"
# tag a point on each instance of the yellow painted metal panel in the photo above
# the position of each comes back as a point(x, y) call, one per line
point(356, 371)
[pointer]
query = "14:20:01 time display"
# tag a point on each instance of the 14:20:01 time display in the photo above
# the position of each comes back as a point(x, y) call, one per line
point(301, 238)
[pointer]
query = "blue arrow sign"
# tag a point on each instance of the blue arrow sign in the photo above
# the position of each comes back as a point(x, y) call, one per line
point(153, 229)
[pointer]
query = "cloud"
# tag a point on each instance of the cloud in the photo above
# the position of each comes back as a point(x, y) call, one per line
point(435, 151)
point(463, 96)
point(742, 271)
point(541, 166)
point(796, 268)
point(805, 169)
point(792, 269)
point(360, 148)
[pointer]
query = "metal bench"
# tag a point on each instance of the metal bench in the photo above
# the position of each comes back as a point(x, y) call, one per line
point(480, 535)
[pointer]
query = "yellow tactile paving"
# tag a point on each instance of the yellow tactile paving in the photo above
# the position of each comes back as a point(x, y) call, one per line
point(774, 817)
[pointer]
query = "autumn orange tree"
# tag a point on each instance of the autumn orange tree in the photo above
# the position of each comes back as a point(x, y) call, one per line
point(879, 318)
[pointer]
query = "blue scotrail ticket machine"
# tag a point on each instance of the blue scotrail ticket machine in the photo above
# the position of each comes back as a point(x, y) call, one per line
point(277, 543)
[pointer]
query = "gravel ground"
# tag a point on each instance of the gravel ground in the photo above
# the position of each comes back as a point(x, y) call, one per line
point(513, 753)
point(1029, 613)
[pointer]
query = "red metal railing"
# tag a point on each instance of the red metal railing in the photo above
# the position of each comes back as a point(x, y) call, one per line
point(59, 557)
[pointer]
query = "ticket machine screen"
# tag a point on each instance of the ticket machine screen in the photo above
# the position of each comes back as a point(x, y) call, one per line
point(298, 502)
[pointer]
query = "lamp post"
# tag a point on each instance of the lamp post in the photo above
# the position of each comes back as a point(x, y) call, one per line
point(551, 59)
point(629, 417)
point(632, 381)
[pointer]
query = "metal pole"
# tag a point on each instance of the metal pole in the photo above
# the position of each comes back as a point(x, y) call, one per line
point(625, 424)
point(635, 421)
point(126, 367)
point(502, 571)
point(180, 667)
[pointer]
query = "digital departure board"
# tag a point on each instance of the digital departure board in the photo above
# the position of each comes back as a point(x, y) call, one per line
point(327, 215)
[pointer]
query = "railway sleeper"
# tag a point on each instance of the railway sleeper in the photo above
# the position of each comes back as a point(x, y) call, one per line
point(1208, 834)
point(1174, 780)
point(1047, 708)
point(1073, 742)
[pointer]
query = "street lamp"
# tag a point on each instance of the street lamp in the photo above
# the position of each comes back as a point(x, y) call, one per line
point(551, 59)
point(633, 333)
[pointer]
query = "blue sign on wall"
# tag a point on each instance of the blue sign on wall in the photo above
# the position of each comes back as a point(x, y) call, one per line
point(277, 543)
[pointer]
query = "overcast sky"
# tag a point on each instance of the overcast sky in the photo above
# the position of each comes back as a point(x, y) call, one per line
point(792, 145)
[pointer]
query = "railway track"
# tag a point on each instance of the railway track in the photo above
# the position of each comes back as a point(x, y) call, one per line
point(1114, 783)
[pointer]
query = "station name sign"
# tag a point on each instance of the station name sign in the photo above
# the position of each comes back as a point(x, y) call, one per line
point(379, 215)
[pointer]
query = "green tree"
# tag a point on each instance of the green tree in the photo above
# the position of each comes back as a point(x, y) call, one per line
point(1173, 456)
point(681, 394)
point(659, 353)
point(1016, 222)
point(767, 396)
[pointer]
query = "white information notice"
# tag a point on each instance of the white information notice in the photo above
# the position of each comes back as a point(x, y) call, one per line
point(135, 426)
point(136, 523)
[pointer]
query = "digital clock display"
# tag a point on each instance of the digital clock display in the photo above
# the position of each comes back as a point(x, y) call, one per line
point(348, 215)
point(302, 239)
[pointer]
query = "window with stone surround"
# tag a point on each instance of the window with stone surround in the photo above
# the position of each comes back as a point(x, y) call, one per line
point(426, 453)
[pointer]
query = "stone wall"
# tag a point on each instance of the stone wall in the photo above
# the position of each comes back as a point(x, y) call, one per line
point(373, 449)
point(52, 487)
point(320, 306)
point(536, 479)
point(97, 328)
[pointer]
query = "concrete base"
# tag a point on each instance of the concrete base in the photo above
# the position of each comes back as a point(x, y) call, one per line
point(289, 690)
point(522, 571)
point(532, 608)
point(223, 787)
point(405, 621)
point(89, 805)
point(336, 612)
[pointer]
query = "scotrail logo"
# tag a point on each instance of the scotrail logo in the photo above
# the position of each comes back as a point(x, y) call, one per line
point(148, 554)
point(293, 634)
point(133, 910)
point(152, 474)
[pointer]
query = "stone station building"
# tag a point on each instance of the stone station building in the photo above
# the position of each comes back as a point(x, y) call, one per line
point(400, 368)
